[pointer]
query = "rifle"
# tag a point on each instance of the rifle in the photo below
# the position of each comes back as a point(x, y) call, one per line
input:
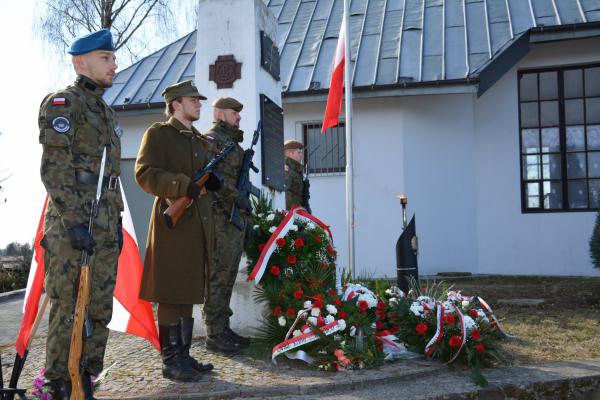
point(176, 208)
point(83, 298)
point(306, 190)
point(244, 186)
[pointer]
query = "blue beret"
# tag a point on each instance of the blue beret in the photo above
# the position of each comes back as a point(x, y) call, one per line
point(100, 40)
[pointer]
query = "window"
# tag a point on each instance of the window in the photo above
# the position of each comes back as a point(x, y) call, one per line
point(559, 120)
point(324, 153)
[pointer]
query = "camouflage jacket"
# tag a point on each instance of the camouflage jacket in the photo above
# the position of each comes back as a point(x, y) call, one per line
point(222, 133)
point(294, 183)
point(75, 125)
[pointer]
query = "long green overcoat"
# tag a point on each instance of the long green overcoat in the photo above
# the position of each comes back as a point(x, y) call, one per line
point(176, 259)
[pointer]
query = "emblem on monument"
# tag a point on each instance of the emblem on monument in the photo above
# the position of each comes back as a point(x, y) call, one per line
point(225, 71)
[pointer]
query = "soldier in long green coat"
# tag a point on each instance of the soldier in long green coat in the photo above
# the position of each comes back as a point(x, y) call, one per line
point(75, 126)
point(294, 177)
point(176, 258)
point(229, 240)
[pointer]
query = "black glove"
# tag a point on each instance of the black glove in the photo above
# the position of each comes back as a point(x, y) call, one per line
point(81, 239)
point(193, 190)
point(120, 234)
point(214, 182)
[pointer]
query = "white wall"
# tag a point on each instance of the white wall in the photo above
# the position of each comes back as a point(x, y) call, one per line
point(511, 242)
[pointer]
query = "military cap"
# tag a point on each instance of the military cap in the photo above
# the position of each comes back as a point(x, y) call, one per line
point(180, 89)
point(225, 103)
point(292, 144)
point(99, 40)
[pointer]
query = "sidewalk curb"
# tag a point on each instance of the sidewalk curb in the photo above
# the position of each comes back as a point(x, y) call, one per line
point(14, 295)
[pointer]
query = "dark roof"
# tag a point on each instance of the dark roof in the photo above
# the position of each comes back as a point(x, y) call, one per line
point(393, 42)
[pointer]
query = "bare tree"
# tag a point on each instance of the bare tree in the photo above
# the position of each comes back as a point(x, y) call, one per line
point(138, 26)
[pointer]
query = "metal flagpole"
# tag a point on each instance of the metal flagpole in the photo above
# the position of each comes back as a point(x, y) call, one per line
point(348, 110)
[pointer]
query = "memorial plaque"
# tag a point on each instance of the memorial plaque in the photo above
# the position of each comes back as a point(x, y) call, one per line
point(273, 161)
point(269, 55)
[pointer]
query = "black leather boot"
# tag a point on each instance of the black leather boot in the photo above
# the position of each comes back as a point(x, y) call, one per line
point(221, 343)
point(244, 341)
point(175, 365)
point(60, 389)
point(88, 387)
point(187, 326)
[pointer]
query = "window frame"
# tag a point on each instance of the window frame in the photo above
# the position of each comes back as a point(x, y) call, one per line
point(340, 170)
point(564, 179)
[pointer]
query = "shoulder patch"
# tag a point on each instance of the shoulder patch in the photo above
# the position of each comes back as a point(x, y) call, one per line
point(61, 124)
point(207, 138)
point(59, 101)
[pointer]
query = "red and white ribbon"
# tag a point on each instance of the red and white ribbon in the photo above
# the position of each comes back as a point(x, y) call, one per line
point(488, 310)
point(305, 338)
point(439, 332)
point(463, 332)
point(295, 212)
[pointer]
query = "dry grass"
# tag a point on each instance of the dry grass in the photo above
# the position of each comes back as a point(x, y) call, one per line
point(565, 327)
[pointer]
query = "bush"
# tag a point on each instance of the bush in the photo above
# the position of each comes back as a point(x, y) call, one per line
point(13, 280)
point(595, 243)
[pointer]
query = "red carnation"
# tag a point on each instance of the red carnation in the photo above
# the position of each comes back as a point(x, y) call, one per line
point(449, 319)
point(317, 304)
point(290, 313)
point(261, 246)
point(380, 305)
point(343, 315)
point(292, 260)
point(421, 328)
point(363, 305)
point(473, 313)
point(280, 242)
point(476, 335)
point(480, 348)
point(337, 302)
point(277, 311)
point(380, 314)
point(394, 329)
point(330, 249)
point(454, 341)
point(275, 270)
point(320, 321)
point(298, 242)
point(298, 294)
point(332, 292)
point(379, 325)
point(318, 239)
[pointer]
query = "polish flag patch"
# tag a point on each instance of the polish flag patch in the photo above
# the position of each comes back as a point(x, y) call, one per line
point(59, 101)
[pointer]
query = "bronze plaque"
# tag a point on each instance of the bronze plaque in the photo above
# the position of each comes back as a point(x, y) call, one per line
point(273, 161)
point(225, 71)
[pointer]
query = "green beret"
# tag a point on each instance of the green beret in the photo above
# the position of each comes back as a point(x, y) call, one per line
point(225, 103)
point(99, 40)
point(292, 144)
point(181, 89)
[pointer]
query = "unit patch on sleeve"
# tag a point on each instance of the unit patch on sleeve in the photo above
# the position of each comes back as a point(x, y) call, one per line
point(61, 124)
point(59, 101)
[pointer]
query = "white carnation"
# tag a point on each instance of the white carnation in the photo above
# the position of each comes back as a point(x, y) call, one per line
point(416, 308)
point(469, 323)
point(310, 225)
point(331, 309)
point(315, 312)
point(270, 217)
point(312, 320)
point(465, 303)
point(329, 319)
point(342, 324)
point(307, 304)
point(272, 229)
point(297, 332)
point(294, 227)
point(281, 321)
point(393, 301)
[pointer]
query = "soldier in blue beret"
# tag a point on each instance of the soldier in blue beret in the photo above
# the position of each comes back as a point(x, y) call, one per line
point(76, 125)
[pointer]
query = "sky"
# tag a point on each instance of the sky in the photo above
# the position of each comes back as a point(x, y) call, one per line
point(27, 73)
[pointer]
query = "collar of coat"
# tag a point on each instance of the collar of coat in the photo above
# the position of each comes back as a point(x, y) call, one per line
point(89, 85)
point(233, 133)
point(175, 123)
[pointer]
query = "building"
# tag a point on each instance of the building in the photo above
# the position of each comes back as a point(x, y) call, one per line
point(485, 113)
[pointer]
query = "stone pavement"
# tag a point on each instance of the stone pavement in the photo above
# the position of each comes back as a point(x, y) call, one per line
point(136, 375)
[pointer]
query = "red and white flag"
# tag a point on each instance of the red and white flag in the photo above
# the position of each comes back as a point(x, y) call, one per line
point(130, 314)
point(336, 86)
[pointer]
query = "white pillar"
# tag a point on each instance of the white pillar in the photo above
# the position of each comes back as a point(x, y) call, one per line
point(232, 27)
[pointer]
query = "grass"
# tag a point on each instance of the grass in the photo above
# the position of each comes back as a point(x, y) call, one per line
point(565, 327)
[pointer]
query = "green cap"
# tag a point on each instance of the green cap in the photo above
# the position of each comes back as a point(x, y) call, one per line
point(225, 103)
point(180, 89)
point(292, 144)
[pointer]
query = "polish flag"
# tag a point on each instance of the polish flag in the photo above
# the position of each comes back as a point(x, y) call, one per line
point(130, 314)
point(336, 86)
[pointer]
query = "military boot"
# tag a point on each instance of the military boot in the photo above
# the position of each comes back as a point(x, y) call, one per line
point(221, 343)
point(187, 326)
point(88, 386)
point(243, 341)
point(60, 389)
point(175, 365)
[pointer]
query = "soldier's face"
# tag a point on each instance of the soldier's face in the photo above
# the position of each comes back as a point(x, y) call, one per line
point(295, 154)
point(190, 108)
point(100, 66)
point(232, 117)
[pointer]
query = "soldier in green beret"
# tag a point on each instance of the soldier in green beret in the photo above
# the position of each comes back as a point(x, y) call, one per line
point(176, 259)
point(75, 126)
point(229, 240)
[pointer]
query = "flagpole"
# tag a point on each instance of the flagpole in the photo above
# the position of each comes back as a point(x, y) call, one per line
point(348, 111)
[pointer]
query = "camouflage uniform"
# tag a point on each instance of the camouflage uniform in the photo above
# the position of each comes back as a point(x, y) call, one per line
point(75, 125)
point(229, 240)
point(294, 182)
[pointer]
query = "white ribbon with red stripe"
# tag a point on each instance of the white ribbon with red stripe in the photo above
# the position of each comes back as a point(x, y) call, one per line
point(463, 332)
point(305, 338)
point(439, 332)
point(488, 310)
point(296, 212)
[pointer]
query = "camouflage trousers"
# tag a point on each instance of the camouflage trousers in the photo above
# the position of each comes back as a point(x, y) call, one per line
point(62, 267)
point(229, 245)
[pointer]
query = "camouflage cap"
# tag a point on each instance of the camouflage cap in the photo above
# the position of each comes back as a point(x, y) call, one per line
point(181, 89)
point(225, 103)
point(292, 144)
